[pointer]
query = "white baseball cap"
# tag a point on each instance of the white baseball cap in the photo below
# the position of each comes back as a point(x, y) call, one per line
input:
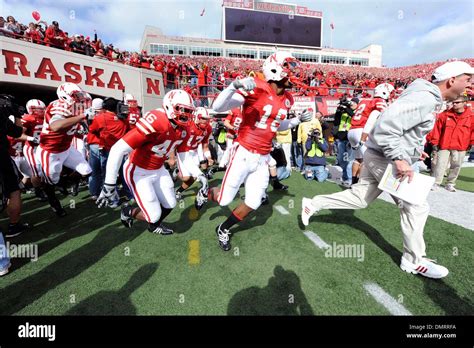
point(451, 69)
point(97, 103)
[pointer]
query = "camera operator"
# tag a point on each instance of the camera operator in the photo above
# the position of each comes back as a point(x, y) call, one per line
point(315, 159)
point(10, 178)
point(110, 126)
point(342, 124)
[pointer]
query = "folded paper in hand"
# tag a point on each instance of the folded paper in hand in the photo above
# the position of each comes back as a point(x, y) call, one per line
point(414, 192)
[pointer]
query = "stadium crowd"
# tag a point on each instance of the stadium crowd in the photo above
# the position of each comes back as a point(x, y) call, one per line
point(199, 73)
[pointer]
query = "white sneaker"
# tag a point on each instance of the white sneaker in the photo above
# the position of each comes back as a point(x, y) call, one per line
point(450, 188)
point(435, 187)
point(307, 210)
point(5, 270)
point(427, 268)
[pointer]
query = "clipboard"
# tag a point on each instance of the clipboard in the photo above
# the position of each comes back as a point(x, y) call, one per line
point(415, 192)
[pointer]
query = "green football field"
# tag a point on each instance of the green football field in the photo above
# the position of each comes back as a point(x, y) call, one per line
point(90, 264)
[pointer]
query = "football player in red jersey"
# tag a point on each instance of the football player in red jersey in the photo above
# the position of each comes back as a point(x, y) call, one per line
point(134, 111)
point(265, 105)
point(61, 120)
point(155, 137)
point(197, 133)
point(367, 112)
point(232, 123)
point(33, 124)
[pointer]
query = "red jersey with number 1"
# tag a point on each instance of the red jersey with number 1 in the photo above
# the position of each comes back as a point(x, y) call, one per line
point(364, 109)
point(193, 137)
point(262, 113)
point(59, 141)
point(152, 140)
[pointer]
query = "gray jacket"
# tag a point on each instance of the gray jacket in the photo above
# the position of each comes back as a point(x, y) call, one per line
point(400, 130)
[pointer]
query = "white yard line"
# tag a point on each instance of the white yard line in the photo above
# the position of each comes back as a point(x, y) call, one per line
point(385, 299)
point(321, 244)
point(282, 210)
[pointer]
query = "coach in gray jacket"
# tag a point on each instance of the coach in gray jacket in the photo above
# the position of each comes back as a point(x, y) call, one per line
point(397, 138)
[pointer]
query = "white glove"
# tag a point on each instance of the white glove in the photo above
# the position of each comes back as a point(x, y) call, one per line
point(33, 139)
point(107, 196)
point(306, 116)
point(247, 84)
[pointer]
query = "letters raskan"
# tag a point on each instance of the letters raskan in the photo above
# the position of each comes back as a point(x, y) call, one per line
point(17, 63)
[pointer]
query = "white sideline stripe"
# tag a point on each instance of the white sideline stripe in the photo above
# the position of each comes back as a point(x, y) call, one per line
point(321, 244)
point(282, 210)
point(385, 299)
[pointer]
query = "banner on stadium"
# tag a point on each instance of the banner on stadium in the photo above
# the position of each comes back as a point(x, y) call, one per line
point(26, 63)
point(302, 103)
point(326, 105)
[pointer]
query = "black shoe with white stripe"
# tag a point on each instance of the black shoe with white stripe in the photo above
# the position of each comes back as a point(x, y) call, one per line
point(223, 237)
point(16, 229)
point(160, 229)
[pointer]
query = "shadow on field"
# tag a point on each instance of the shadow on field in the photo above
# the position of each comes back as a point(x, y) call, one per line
point(115, 302)
point(18, 295)
point(447, 298)
point(282, 296)
point(347, 217)
point(441, 293)
point(86, 217)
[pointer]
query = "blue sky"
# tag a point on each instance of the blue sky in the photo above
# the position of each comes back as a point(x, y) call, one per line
point(410, 32)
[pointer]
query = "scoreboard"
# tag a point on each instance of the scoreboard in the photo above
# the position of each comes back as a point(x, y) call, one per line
point(281, 25)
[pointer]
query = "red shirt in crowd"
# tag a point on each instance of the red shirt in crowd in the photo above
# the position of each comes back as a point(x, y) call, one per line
point(453, 131)
point(108, 128)
point(52, 33)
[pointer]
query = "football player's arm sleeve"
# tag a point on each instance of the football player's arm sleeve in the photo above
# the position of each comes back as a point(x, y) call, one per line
point(228, 99)
point(289, 123)
point(374, 115)
point(115, 159)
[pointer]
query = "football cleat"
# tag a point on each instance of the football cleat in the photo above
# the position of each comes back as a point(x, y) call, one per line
point(16, 229)
point(75, 189)
point(179, 195)
point(265, 200)
point(209, 174)
point(223, 237)
point(307, 210)
point(126, 216)
point(277, 185)
point(160, 229)
point(427, 268)
point(201, 199)
point(39, 193)
point(58, 210)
